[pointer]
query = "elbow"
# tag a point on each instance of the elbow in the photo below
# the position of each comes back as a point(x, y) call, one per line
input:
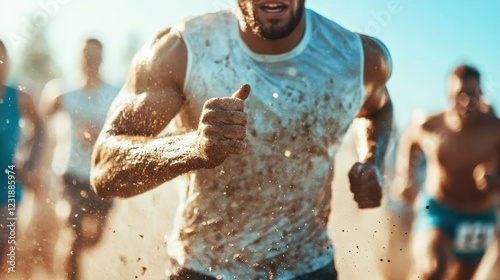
point(100, 175)
point(109, 182)
point(101, 183)
point(107, 186)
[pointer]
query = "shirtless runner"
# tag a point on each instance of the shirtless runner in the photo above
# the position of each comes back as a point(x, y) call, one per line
point(455, 216)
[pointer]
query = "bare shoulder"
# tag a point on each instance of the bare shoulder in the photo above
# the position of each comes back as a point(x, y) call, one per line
point(432, 122)
point(25, 101)
point(491, 121)
point(378, 63)
point(153, 92)
point(161, 61)
point(377, 71)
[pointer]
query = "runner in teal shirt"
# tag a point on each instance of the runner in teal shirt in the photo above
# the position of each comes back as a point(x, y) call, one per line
point(14, 104)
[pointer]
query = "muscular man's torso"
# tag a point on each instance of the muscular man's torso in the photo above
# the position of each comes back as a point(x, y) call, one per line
point(452, 157)
point(266, 210)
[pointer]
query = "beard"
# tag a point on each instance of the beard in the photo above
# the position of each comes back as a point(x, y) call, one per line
point(276, 29)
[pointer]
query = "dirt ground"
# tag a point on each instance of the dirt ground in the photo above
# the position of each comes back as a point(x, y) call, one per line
point(369, 244)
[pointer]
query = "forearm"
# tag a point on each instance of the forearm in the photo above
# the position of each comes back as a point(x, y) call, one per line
point(36, 150)
point(378, 133)
point(125, 166)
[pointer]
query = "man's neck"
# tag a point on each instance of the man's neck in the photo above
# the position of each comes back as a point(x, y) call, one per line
point(456, 122)
point(264, 46)
point(93, 83)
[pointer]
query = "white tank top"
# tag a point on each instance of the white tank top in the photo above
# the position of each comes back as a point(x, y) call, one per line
point(265, 211)
point(85, 109)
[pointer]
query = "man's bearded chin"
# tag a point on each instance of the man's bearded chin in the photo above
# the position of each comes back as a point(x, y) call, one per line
point(274, 31)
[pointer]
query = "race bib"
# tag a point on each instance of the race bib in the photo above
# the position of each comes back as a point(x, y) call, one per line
point(472, 237)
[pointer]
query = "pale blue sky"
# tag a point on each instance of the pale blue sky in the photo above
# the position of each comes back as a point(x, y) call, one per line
point(427, 38)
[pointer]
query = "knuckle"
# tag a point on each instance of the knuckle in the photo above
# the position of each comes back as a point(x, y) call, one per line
point(205, 116)
point(210, 143)
point(206, 129)
point(211, 103)
point(236, 146)
point(241, 132)
point(207, 104)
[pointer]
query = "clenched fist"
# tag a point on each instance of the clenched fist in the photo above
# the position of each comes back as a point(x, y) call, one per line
point(487, 177)
point(222, 127)
point(366, 185)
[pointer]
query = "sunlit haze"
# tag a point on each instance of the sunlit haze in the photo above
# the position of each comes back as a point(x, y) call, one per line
point(427, 39)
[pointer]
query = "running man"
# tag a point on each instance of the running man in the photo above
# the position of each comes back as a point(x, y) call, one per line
point(87, 108)
point(260, 160)
point(455, 217)
point(14, 105)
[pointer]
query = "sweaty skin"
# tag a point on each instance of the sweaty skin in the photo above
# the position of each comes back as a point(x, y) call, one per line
point(128, 147)
point(462, 150)
point(130, 156)
point(454, 177)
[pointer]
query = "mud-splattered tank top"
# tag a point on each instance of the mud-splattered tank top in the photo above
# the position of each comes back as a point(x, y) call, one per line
point(265, 212)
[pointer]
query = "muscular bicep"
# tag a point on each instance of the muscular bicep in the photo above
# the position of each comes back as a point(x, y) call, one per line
point(376, 72)
point(143, 114)
point(152, 94)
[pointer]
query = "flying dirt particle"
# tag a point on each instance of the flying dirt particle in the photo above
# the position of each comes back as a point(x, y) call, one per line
point(381, 260)
point(144, 270)
point(123, 259)
point(138, 259)
point(141, 235)
point(427, 207)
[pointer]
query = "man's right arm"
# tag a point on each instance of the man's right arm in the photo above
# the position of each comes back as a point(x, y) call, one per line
point(129, 158)
point(408, 164)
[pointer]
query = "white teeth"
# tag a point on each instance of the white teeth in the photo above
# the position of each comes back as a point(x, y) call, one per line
point(273, 8)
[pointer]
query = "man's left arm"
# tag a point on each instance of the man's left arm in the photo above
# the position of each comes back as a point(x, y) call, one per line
point(28, 110)
point(366, 175)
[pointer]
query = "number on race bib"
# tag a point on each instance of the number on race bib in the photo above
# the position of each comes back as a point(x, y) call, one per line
point(474, 236)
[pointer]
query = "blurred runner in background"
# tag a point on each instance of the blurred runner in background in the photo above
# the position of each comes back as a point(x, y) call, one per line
point(87, 108)
point(455, 217)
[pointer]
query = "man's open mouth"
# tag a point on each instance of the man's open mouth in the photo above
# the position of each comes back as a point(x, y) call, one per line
point(273, 8)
